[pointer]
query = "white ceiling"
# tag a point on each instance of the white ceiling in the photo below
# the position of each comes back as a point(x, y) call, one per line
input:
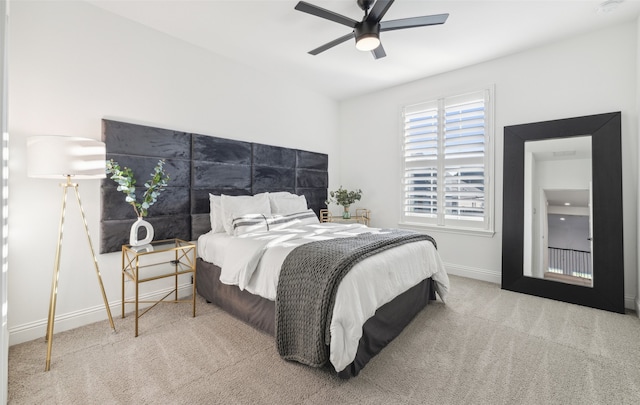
point(271, 36)
point(574, 147)
point(574, 198)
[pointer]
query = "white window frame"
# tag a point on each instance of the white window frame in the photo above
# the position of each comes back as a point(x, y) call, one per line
point(440, 221)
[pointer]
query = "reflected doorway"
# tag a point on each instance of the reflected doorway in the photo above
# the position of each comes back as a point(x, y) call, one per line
point(567, 241)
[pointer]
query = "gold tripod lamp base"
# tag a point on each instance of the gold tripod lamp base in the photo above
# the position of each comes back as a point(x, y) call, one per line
point(56, 269)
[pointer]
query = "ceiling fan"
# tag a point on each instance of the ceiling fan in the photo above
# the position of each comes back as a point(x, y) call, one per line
point(367, 32)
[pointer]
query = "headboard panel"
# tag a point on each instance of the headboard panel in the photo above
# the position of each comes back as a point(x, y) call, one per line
point(274, 169)
point(199, 165)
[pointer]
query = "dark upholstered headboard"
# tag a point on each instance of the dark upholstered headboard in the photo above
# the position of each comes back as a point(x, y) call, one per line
point(198, 165)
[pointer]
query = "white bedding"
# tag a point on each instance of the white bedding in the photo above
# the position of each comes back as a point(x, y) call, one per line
point(253, 262)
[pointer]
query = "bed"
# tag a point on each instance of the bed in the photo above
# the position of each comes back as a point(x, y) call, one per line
point(265, 181)
point(244, 263)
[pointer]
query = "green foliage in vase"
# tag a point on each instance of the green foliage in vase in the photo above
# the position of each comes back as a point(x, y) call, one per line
point(127, 184)
point(344, 197)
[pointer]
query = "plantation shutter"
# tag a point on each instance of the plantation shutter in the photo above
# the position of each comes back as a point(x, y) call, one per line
point(421, 159)
point(445, 167)
point(464, 147)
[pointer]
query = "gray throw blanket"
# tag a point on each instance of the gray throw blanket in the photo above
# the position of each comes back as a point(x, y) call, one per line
point(307, 286)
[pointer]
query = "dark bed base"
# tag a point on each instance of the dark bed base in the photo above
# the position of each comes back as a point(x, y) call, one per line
point(387, 323)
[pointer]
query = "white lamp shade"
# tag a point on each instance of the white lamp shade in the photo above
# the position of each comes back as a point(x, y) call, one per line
point(55, 157)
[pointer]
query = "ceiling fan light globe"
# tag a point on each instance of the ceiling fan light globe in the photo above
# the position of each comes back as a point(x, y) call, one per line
point(367, 42)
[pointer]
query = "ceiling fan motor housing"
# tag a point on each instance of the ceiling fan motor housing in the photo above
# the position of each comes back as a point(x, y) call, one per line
point(366, 29)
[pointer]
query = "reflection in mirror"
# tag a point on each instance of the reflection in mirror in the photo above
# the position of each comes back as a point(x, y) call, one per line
point(569, 251)
point(557, 207)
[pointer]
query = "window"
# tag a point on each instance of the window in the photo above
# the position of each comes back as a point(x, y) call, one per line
point(446, 158)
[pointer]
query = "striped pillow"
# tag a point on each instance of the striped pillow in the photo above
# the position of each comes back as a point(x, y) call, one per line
point(249, 223)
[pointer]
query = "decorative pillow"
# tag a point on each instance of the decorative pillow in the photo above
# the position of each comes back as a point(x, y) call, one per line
point(258, 222)
point(235, 206)
point(284, 204)
point(215, 213)
point(248, 223)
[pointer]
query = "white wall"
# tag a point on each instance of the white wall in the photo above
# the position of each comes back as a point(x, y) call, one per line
point(637, 87)
point(72, 64)
point(4, 325)
point(589, 74)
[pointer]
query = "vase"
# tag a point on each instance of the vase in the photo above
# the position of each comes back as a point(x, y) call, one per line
point(346, 214)
point(133, 235)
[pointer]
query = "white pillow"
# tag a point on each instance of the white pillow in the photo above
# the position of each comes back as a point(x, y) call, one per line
point(278, 194)
point(287, 204)
point(235, 206)
point(215, 213)
point(249, 223)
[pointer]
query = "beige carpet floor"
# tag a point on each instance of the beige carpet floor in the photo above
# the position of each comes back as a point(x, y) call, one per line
point(485, 346)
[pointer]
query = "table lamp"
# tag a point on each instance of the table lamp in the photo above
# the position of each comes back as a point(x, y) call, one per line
point(64, 157)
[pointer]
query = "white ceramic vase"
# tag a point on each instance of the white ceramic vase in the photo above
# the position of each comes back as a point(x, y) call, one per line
point(133, 235)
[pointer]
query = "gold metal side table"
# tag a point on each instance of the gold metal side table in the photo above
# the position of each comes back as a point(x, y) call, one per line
point(158, 260)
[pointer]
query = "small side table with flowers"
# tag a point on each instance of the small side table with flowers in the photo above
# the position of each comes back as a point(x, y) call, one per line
point(344, 198)
point(171, 258)
point(362, 216)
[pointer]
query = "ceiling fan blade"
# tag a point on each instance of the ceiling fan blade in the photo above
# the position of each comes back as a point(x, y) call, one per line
point(331, 44)
point(379, 10)
point(379, 52)
point(326, 14)
point(413, 22)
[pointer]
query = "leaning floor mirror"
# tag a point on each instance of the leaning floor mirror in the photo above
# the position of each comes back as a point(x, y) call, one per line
point(562, 211)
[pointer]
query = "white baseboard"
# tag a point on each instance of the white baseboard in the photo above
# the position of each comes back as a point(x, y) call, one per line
point(72, 320)
point(637, 305)
point(475, 273)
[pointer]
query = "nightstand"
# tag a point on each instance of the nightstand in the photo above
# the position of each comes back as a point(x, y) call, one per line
point(155, 261)
point(363, 216)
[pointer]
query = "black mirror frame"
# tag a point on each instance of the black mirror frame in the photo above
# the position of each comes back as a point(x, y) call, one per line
point(607, 292)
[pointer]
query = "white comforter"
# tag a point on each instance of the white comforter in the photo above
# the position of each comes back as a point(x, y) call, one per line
point(253, 262)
